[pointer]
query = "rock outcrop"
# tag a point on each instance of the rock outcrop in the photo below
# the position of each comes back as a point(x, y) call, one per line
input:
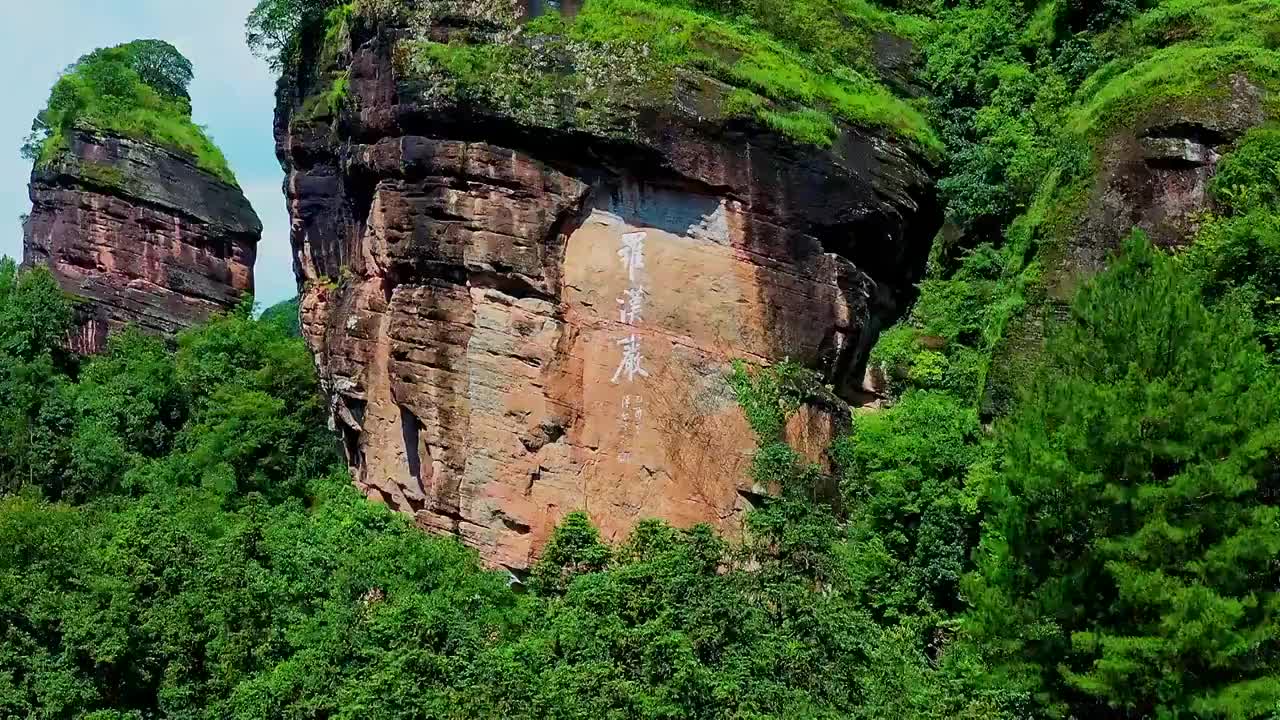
point(516, 322)
point(1154, 176)
point(141, 234)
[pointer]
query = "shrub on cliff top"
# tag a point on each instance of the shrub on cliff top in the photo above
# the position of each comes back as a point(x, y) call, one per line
point(797, 66)
point(138, 90)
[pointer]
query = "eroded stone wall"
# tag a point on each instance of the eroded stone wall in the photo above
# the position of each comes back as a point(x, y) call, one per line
point(514, 324)
point(141, 235)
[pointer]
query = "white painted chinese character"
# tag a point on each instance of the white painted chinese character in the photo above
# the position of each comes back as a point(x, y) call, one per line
point(632, 408)
point(631, 360)
point(632, 253)
point(631, 306)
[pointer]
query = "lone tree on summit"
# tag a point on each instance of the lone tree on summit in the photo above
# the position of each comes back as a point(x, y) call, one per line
point(161, 66)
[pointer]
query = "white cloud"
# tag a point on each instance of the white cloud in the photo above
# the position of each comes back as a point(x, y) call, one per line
point(233, 95)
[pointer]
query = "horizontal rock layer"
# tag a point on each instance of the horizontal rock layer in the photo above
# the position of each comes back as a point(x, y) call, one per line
point(141, 234)
point(516, 323)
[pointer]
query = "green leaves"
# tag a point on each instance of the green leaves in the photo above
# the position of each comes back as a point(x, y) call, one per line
point(137, 89)
point(1127, 519)
point(237, 406)
point(161, 66)
point(912, 509)
point(575, 548)
point(272, 28)
point(1248, 177)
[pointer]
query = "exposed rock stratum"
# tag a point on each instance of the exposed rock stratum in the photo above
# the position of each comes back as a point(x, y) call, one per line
point(141, 234)
point(515, 322)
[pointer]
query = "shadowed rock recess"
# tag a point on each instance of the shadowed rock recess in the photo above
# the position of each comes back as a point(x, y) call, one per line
point(517, 321)
point(141, 234)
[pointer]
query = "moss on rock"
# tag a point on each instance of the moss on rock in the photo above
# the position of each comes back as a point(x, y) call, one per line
point(106, 91)
point(799, 68)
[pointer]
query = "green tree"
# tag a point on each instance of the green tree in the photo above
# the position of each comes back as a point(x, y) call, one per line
point(913, 477)
point(575, 548)
point(161, 66)
point(273, 28)
point(1128, 568)
point(35, 316)
point(1237, 252)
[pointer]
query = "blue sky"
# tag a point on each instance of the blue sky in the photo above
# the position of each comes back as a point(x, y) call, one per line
point(232, 95)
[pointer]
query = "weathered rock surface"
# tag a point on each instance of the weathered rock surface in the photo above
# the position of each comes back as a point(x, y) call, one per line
point(141, 234)
point(516, 323)
point(1155, 176)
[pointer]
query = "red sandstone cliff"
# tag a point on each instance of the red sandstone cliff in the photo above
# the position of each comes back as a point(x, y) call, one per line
point(141, 234)
point(514, 322)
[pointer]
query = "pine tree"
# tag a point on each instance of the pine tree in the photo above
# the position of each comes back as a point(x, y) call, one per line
point(1129, 568)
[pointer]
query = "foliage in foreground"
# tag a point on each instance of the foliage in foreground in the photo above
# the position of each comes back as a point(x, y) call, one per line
point(174, 544)
point(234, 408)
point(1125, 564)
point(138, 90)
point(1129, 561)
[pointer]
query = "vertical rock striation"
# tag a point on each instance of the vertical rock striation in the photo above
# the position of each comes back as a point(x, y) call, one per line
point(141, 234)
point(515, 322)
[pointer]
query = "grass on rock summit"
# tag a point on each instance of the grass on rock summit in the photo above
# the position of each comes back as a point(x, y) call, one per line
point(137, 90)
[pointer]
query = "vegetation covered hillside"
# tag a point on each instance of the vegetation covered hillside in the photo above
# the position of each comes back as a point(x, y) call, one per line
point(284, 314)
point(1027, 97)
point(178, 542)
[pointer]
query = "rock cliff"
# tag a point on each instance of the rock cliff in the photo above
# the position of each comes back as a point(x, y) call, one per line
point(141, 234)
point(515, 321)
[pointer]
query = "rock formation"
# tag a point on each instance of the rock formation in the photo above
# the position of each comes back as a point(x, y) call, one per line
point(516, 322)
point(141, 234)
point(1154, 175)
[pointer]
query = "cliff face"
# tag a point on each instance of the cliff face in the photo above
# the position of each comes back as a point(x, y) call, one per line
point(140, 233)
point(515, 322)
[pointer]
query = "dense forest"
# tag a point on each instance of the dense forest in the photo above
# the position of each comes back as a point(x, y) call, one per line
point(1089, 528)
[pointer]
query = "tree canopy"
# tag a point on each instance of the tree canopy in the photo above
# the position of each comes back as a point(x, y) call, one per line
point(1129, 560)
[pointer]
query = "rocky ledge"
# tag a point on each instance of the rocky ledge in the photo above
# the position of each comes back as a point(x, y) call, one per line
point(515, 322)
point(141, 234)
